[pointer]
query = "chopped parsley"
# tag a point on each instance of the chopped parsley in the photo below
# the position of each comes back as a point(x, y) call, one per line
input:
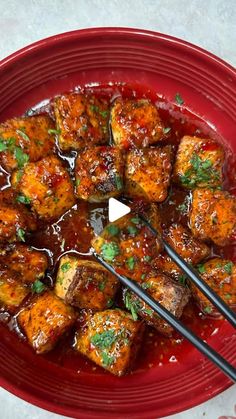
point(110, 251)
point(38, 287)
point(145, 286)
point(77, 182)
point(65, 267)
point(131, 306)
point(228, 296)
point(228, 267)
point(107, 359)
point(21, 157)
point(54, 131)
point(179, 99)
point(3, 145)
point(103, 113)
point(132, 230)
point(166, 130)
point(94, 108)
point(182, 279)
point(104, 339)
point(135, 220)
point(23, 135)
point(119, 182)
point(130, 263)
point(21, 234)
point(201, 171)
point(110, 303)
point(147, 258)
point(113, 230)
point(201, 268)
point(207, 309)
point(101, 285)
point(22, 199)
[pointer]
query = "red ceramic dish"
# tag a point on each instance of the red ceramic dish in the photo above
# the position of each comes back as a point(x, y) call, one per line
point(165, 65)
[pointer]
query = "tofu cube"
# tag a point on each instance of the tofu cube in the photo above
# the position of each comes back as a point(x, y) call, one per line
point(28, 263)
point(47, 186)
point(147, 173)
point(213, 216)
point(168, 293)
point(99, 173)
point(45, 320)
point(25, 139)
point(191, 250)
point(110, 338)
point(129, 245)
point(15, 219)
point(199, 163)
point(220, 275)
point(85, 284)
point(12, 291)
point(82, 120)
point(135, 123)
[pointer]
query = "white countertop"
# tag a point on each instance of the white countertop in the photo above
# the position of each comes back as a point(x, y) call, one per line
point(210, 24)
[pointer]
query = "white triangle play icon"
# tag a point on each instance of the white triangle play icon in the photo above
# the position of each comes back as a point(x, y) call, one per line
point(116, 209)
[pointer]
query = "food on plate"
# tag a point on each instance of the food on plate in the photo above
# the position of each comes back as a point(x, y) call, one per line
point(59, 167)
point(220, 275)
point(190, 248)
point(45, 320)
point(99, 173)
point(26, 139)
point(213, 215)
point(12, 291)
point(28, 263)
point(135, 123)
point(46, 186)
point(147, 173)
point(165, 291)
point(85, 284)
point(129, 245)
point(110, 338)
point(199, 163)
point(82, 120)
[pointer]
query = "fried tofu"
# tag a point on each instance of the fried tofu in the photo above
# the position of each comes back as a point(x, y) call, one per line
point(99, 173)
point(213, 216)
point(181, 240)
point(199, 163)
point(135, 123)
point(30, 264)
point(110, 338)
point(85, 284)
point(15, 219)
point(45, 320)
point(12, 291)
point(46, 184)
point(168, 293)
point(220, 275)
point(129, 245)
point(147, 173)
point(82, 120)
point(26, 139)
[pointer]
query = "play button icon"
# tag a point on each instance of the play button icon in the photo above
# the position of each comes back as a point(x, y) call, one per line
point(116, 209)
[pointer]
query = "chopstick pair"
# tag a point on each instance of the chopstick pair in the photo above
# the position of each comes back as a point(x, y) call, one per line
point(203, 347)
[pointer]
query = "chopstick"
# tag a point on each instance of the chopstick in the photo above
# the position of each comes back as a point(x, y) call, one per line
point(203, 347)
point(195, 277)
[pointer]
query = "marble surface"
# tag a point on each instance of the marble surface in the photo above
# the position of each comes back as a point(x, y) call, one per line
point(210, 25)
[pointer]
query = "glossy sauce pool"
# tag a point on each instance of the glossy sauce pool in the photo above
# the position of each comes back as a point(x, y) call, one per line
point(74, 230)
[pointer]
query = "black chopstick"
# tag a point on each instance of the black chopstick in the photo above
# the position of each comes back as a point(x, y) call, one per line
point(195, 277)
point(203, 347)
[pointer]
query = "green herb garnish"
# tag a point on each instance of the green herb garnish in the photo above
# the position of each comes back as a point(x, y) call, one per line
point(119, 182)
point(110, 303)
point(166, 130)
point(201, 171)
point(21, 157)
point(23, 135)
point(103, 113)
point(54, 131)
point(22, 199)
point(94, 108)
point(113, 230)
point(101, 285)
point(182, 279)
point(135, 220)
point(179, 99)
point(131, 306)
point(207, 309)
point(110, 251)
point(228, 296)
point(104, 339)
point(130, 263)
point(228, 267)
point(21, 234)
point(132, 230)
point(3, 145)
point(107, 359)
point(38, 287)
point(201, 268)
point(65, 267)
point(147, 258)
point(77, 182)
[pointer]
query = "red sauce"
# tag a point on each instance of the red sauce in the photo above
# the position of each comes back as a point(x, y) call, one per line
point(75, 229)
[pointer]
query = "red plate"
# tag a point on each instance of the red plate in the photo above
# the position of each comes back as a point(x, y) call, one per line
point(165, 65)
